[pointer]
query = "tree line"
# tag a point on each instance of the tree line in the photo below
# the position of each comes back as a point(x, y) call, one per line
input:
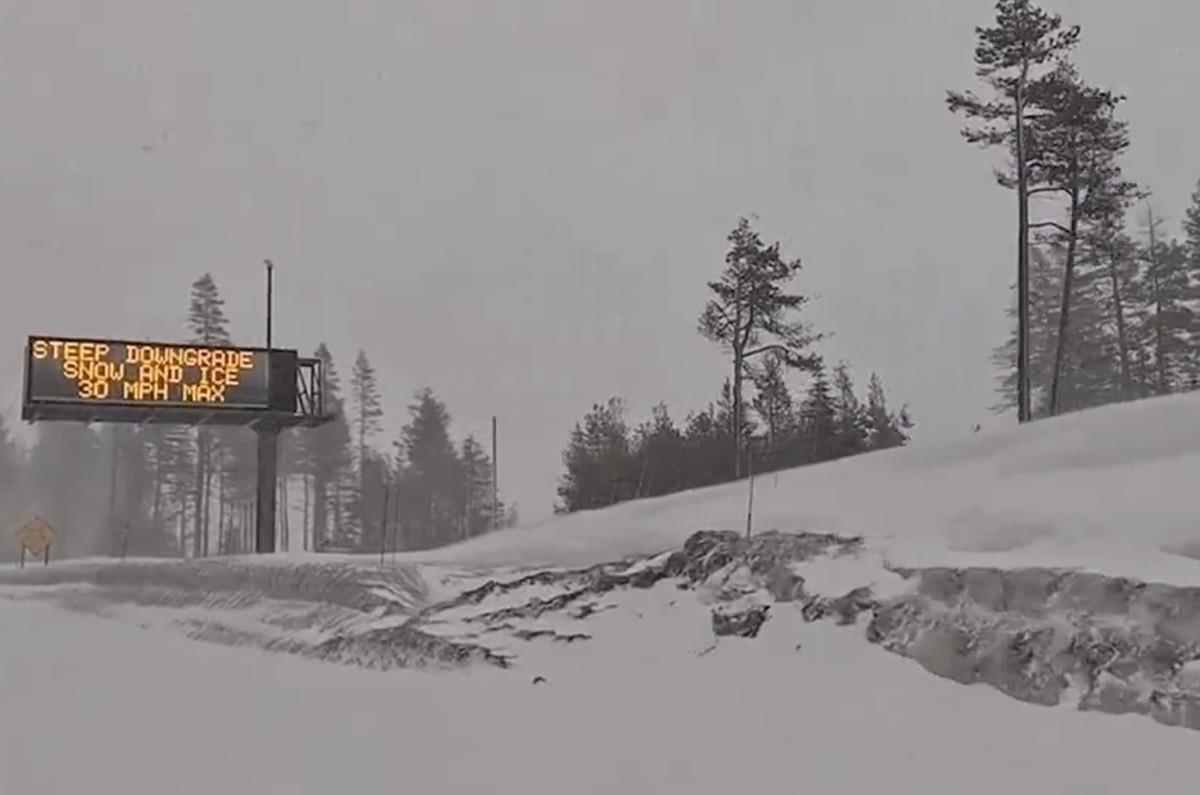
point(169, 490)
point(757, 322)
point(1106, 297)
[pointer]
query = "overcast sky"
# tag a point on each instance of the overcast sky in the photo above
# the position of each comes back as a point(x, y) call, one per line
point(518, 204)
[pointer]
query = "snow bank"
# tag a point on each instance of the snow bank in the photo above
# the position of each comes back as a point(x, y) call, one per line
point(95, 706)
point(1109, 490)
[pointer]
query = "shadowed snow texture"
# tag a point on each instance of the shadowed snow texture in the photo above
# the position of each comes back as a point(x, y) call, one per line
point(1044, 636)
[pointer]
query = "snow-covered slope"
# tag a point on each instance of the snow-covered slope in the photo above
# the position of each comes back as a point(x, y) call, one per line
point(1113, 490)
point(626, 650)
point(89, 706)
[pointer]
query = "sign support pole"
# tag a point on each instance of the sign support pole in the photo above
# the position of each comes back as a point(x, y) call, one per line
point(268, 456)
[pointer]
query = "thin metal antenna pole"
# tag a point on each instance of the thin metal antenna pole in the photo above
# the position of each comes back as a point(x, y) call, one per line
point(270, 288)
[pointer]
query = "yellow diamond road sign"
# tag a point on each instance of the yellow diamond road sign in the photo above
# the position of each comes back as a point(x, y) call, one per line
point(35, 535)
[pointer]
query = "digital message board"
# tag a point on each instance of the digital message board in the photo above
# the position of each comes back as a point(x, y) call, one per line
point(93, 372)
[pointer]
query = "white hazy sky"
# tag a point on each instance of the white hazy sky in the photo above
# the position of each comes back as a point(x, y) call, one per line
point(518, 203)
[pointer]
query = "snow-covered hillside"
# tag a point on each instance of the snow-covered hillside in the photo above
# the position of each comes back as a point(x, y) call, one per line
point(651, 647)
point(1113, 490)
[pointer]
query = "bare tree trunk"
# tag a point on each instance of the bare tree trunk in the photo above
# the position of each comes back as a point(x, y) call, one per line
point(224, 545)
point(305, 525)
point(1160, 360)
point(1023, 383)
point(183, 529)
point(738, 362)
point(156, 508)
point(1064, 312)
point(1122, 335)
point(207, 523)
point(198, 515)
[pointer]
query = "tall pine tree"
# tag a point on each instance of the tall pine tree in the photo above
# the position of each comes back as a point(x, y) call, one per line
point(367, 419)
point(1008, 54)
point(432, 474)
point(751, 314)
point(208, 326)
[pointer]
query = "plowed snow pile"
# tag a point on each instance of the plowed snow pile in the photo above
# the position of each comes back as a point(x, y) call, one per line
point(652, 647)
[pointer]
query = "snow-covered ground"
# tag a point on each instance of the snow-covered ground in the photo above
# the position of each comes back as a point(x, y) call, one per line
point(650, 701)
point(88, 705)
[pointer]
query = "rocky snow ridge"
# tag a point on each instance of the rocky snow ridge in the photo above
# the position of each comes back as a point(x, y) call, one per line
point(1044, 636)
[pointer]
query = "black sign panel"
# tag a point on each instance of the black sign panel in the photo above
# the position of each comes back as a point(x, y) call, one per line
point(95, 372)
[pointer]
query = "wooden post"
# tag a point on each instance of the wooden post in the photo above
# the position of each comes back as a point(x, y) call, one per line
point(750, 470)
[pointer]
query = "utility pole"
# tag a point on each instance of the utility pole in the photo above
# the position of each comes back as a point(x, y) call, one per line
point(268, 456)
point(495, 480)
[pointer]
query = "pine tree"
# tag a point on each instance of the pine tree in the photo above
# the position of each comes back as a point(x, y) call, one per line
point(325, 456)
point(886, 429)
point(208, 326)
point(750, 315)
point(512, 517)
point(1023, 38)
point(1168, 314)
point(367, 419)
point(850, 421)
point(773, 402)
point(432, 472)
point(703, 449)
point(377, 489)
point(1191, 244)
point(476, 498)
point(658, 453)
point(1074, 145)
point(1191, 231)
point(599, 461)
point(1044, 291)
point(12, 476)
point(817, 420)
point(64, 488)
